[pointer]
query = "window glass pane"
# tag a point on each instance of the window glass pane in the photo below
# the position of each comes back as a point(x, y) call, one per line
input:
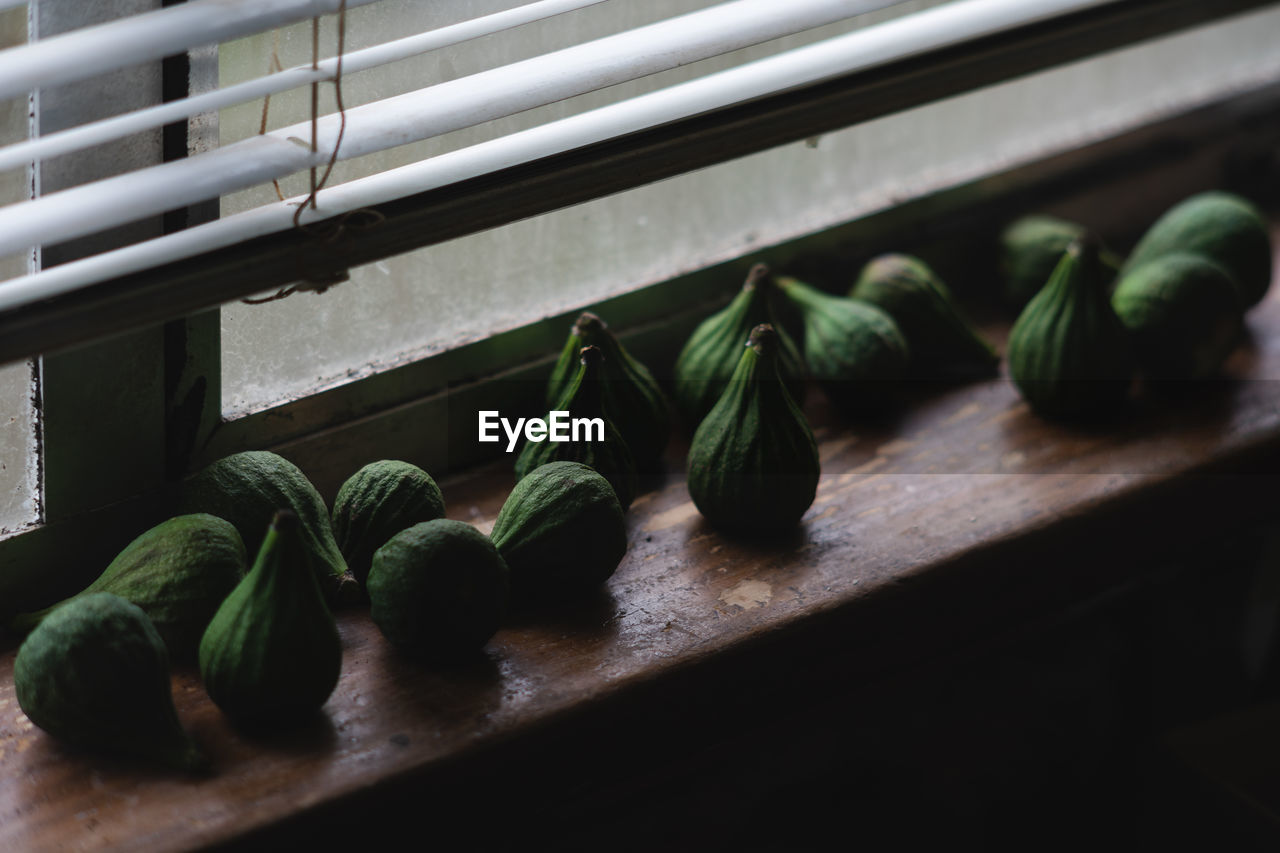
point(18, 471)
point(553, 252)
point(425, 301)
point(18, 483)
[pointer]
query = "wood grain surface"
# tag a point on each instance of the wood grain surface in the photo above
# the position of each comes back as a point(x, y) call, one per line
point(954, 517)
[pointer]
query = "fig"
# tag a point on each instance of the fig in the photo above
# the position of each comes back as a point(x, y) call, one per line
point(1068, 352)
point(599, 445)
point(560, 529)
point(1183, 315)
point(632, 398)
point(1030, 247)
point(853, 349)
point(377, 502)
point(95, 674)
point(753, 462)
point(439, 589)
point(248, 488)
point(941, 340)
point(178, 572)
point(1223, 227)
point(271, 654)
point(711, 355)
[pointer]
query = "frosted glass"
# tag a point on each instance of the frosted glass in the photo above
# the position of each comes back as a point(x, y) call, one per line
point(425, 301)
point(18, 470)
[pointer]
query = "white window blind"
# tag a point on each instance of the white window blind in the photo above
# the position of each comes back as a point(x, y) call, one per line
point(392, 121)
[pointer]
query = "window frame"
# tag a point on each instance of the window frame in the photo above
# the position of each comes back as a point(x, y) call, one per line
point(116, 385)
point(113, 417)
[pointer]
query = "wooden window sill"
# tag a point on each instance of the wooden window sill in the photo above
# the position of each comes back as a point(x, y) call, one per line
point(961, 519)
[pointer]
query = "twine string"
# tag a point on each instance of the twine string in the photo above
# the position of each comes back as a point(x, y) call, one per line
point(331, 231)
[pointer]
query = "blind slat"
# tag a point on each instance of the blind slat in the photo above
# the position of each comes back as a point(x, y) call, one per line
point(87, 52)
point(95, 133)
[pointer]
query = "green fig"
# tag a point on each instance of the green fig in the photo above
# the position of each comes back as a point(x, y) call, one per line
point(1068, 352)
point(248, 488)
point(600, 446)
point(1225, 228)
point(95, 674)
point(271, 654)
point(940, 338)
point(632, 398)
point(710, 356)
point(753, 462)
point(853, 348)
point(438, 590)
point(376, 503)
point(1030, 248)
point(1183, 314)
point(178, 572)
point(561, 529)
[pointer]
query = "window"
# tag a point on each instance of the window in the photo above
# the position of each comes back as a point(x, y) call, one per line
point(393, 310)
point(395, 333)
point(423, 302)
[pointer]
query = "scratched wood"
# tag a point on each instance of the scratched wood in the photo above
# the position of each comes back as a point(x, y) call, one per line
point(960, 511)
